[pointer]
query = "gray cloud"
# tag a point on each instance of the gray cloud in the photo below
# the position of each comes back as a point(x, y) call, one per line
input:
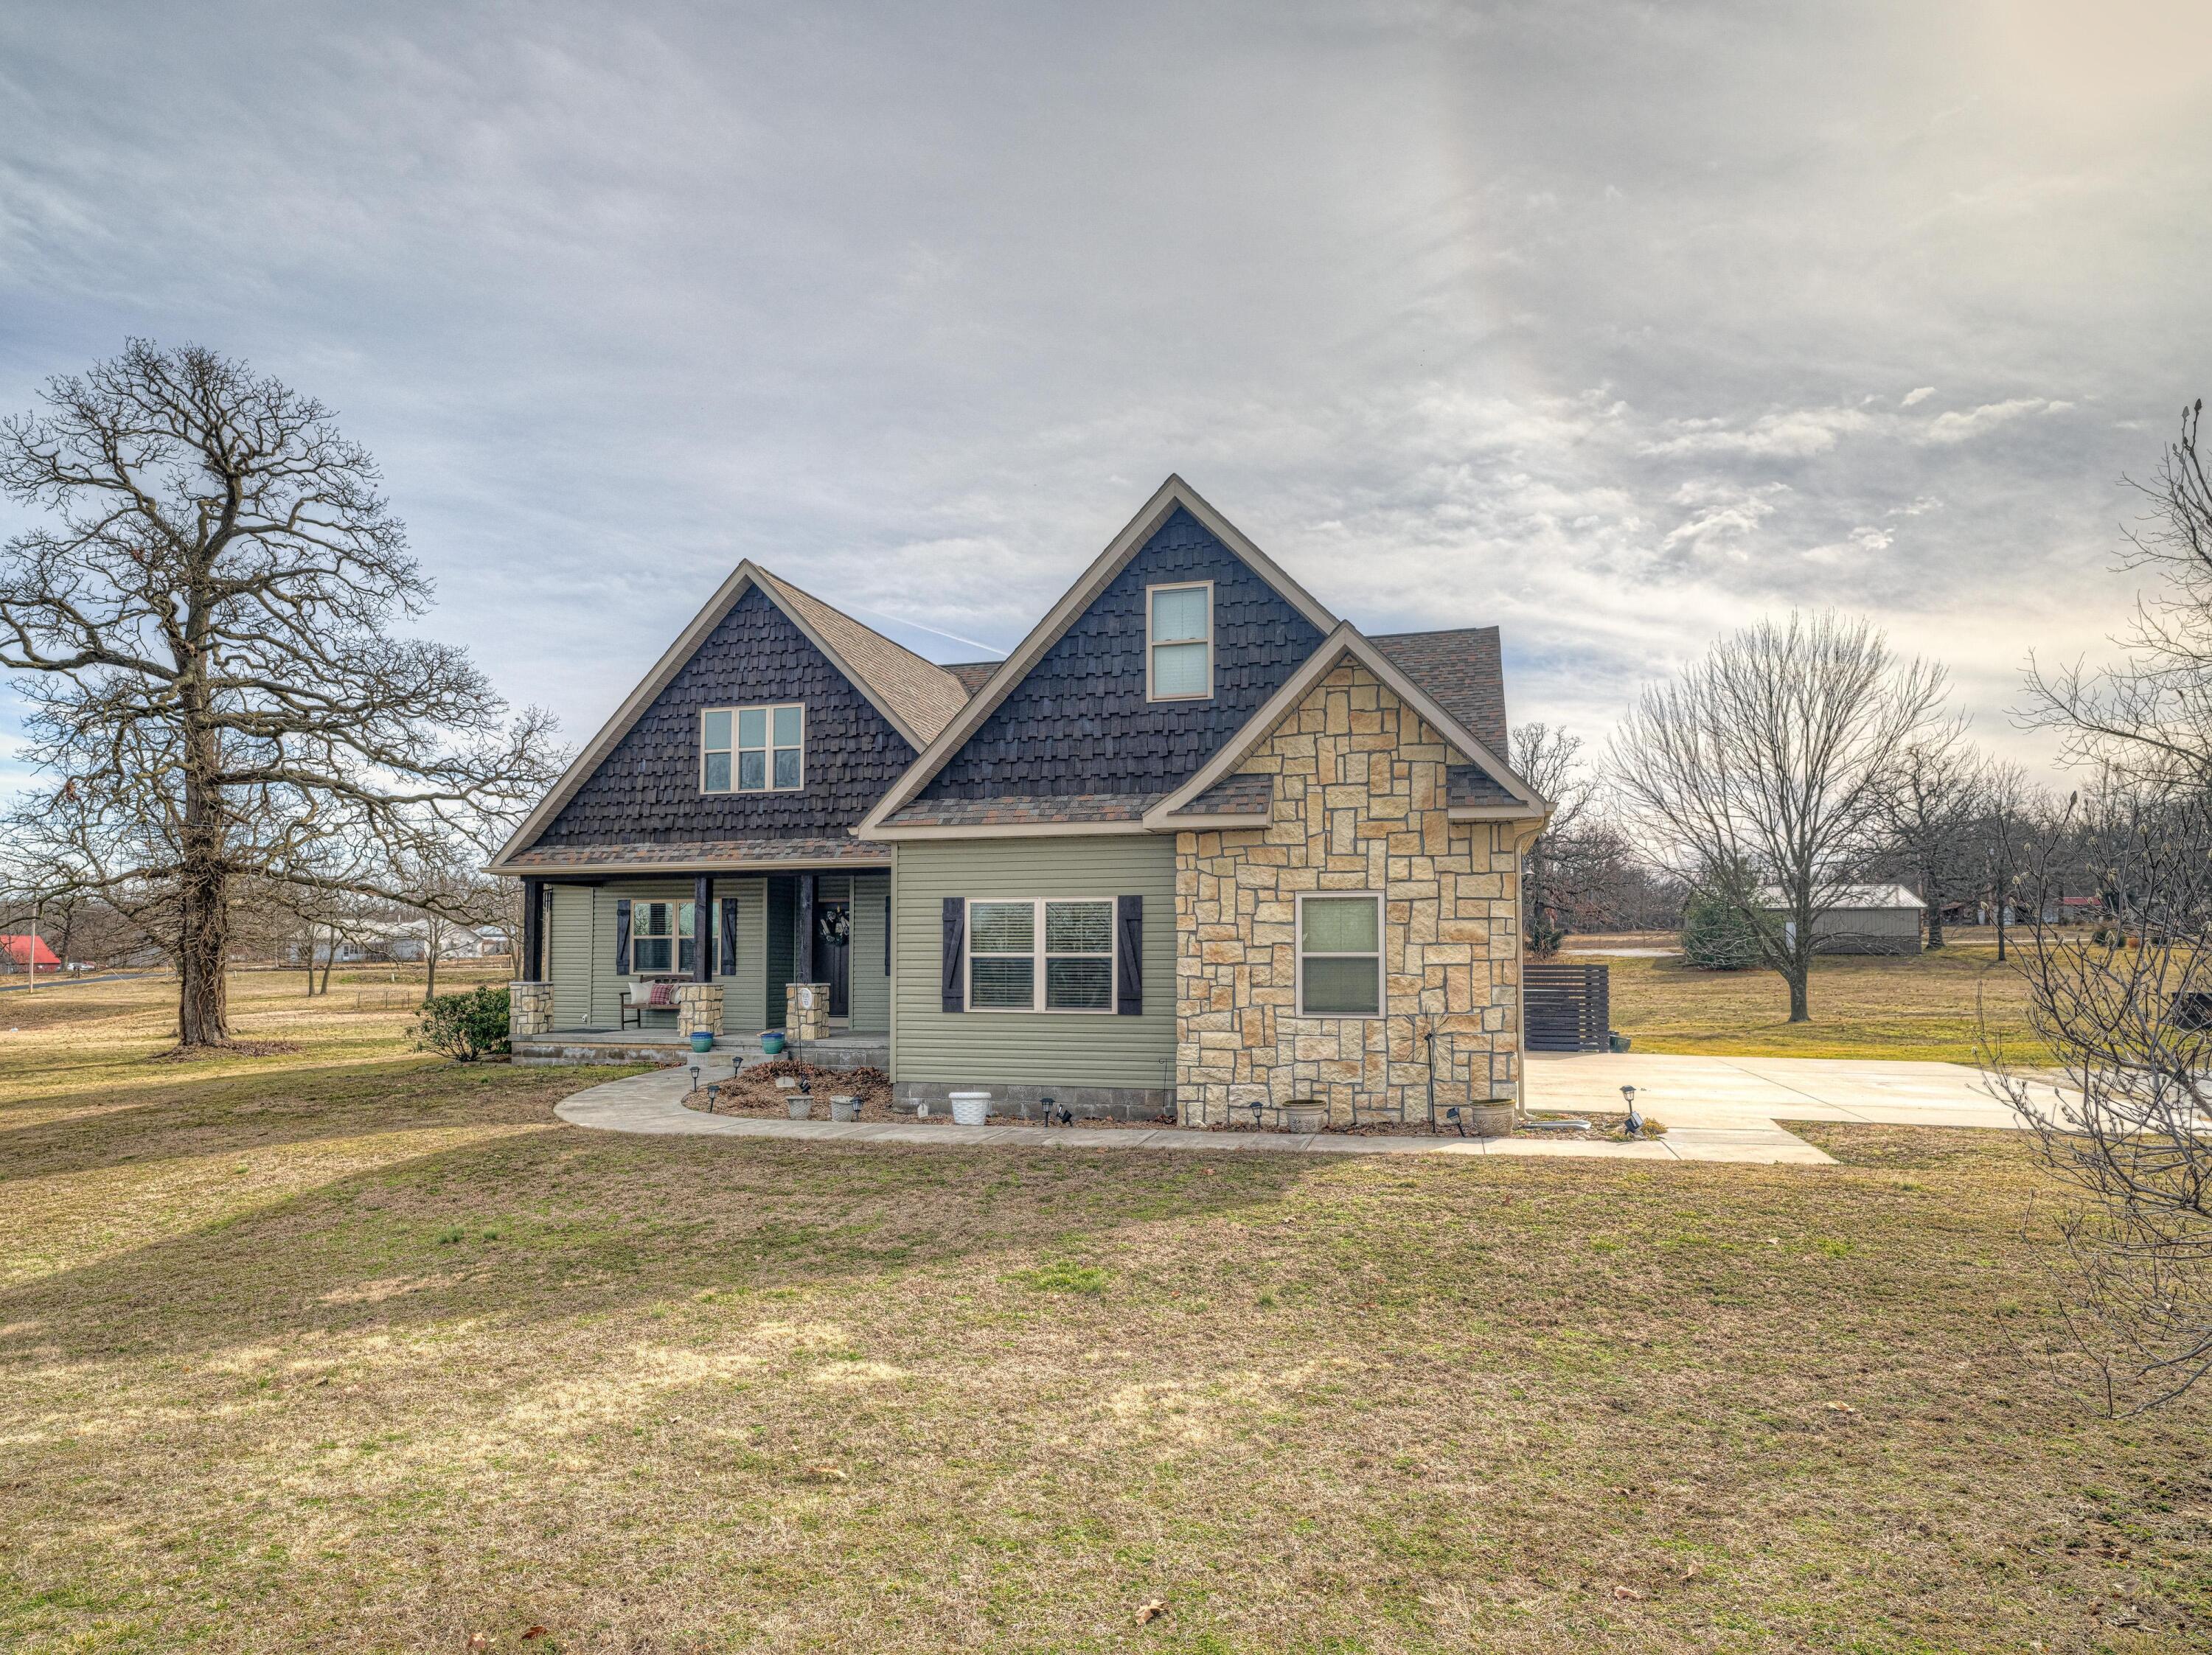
point(1614, 324)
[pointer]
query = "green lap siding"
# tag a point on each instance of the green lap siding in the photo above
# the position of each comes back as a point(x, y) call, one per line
point(743, 994)
point(569, 955)
point(1004, 1048)
point(871, 996)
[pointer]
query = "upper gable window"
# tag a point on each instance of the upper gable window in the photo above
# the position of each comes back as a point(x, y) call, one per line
point(1179, 642)
point(752, 750)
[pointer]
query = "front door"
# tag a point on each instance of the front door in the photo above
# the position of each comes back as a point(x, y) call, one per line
point(832, 950)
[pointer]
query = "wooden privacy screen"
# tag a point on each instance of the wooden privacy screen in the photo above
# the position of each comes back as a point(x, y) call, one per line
point(1565, 1007)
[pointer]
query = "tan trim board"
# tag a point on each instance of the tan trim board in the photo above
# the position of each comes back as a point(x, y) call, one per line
point(1224, 821)
point(1174, 493)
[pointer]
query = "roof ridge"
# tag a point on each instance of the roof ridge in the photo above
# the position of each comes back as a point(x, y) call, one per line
point(797, 591)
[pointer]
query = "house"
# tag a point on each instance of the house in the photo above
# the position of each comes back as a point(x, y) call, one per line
point(27, 952)
point(1865, 919)
point(1197, 841)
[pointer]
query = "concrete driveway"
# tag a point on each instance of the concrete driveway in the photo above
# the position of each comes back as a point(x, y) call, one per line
point(1698, 1091)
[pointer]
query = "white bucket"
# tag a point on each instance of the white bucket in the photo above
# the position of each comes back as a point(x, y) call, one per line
point(971, 1108)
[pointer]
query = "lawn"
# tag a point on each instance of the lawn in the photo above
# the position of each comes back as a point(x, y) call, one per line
point(1928, 1006)
point(352, 1349)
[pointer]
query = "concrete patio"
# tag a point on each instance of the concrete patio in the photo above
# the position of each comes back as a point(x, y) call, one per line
point(1716, 1109)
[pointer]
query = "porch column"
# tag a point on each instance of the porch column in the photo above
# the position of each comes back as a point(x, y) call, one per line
point(533, 931)
point(702, 929)
point(802, 966)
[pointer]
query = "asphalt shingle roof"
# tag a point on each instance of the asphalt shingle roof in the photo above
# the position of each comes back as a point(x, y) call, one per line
point(924, 695)
point(1025, 809)
point(1462, 670)
point(701, 853)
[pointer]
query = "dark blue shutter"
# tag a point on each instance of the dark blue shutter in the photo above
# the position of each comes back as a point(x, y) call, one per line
point(1129, 955)
point(729, 937)
point(954, 995)
point(622, 936)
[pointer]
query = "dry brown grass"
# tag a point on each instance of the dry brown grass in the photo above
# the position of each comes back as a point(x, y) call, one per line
point(1927, 1006)
point(350, 1350)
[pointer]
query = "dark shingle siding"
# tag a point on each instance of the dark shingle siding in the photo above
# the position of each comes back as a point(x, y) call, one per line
point(1471, 784)
point(1462, 670)
point(647, 790)
point(1078, 723)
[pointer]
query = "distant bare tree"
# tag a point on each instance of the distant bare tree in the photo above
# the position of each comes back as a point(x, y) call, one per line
point(1932, 805)
point(1773, 753)
point(1550, 760)
point(203, 617)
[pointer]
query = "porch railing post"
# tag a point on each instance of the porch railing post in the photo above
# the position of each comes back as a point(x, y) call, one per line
point(702, 929)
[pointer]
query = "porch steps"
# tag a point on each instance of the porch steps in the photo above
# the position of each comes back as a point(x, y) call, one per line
point(845, 1051)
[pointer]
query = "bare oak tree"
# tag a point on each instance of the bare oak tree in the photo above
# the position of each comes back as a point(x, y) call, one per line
point(1932, 807)
point(1772, 753)
point(203, 618)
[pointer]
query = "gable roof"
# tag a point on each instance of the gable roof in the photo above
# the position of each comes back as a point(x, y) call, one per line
point(1461, 668)
point(916, 697)
point(1521, 801)
point(28, 947)
point(1172, 494)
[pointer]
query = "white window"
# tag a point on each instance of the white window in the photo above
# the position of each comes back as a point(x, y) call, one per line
point(1179, 642)
point(662, 937)
point(752, 750)
point(1073, 971)
point(1340, 956)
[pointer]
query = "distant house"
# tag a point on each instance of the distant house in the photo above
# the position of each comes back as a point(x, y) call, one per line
point(1865, 919)
point(27, 952)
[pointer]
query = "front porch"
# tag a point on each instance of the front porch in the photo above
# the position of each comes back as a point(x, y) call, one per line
point(621, 967)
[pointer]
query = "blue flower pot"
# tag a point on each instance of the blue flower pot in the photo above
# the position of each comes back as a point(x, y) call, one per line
point(701, 1041)
point(772, 1041)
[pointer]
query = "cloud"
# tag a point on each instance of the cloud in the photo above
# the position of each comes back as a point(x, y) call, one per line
point(1958, 427)
point(617, 305)
point(1792, 435)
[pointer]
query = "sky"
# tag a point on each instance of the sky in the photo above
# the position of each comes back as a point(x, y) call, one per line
point(1616, 325)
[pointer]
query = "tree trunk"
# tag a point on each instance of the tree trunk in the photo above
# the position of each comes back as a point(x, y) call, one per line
point(1801, 1008)
point(431, 943)
point(1933, 897)
point(311, 962)
point(329, 959)
point(203, 929)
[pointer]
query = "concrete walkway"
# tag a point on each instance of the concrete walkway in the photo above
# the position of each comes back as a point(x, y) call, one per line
point(1715, 1108)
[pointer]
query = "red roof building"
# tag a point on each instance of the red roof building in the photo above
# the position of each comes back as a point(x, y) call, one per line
point(32, 949)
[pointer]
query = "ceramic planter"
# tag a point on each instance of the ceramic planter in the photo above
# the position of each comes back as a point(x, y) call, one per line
point(772, 1041)
point(971, 1108)
point(1491, 1117)
point(1304, 1116)
point(701, 1041)
point(847, 1109)
point(800, 1105)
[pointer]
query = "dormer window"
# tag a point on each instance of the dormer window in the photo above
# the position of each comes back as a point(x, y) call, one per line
point(1179, 642)
point(752, 750)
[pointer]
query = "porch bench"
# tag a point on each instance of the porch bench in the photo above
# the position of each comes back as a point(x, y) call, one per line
point(649, 994)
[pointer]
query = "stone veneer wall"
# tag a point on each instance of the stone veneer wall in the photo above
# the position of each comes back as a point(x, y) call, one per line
point(1359, 806)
